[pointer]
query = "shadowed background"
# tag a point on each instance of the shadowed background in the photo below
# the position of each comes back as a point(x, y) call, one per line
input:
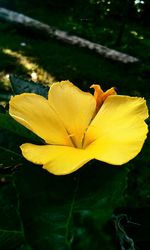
point(122, 25)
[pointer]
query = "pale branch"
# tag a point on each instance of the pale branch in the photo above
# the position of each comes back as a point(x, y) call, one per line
point(63, 36)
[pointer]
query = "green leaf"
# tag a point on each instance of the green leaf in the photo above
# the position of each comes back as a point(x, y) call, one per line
point(59, 212)
point(69, 212)
point(8, 123)
point(20, 86)
point(12, 135)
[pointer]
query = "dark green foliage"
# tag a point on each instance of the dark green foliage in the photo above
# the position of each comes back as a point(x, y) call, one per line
point(8, 123)
point(11, 229)
point(20, 86)
point(53, 212)
point(59, 212)
point(4, 95)
point(42, 211)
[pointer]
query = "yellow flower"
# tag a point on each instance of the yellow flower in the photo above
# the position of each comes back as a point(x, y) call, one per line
point(78, 126)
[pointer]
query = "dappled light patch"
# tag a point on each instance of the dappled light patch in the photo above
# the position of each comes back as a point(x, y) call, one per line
point(136, 35)
point(31, 67)
point(4, 78)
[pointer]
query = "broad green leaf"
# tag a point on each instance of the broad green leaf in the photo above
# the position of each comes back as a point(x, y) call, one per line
point(8, 123)
point(10, 153)
point(69, 212)
point(12, 135)
point(20, 86)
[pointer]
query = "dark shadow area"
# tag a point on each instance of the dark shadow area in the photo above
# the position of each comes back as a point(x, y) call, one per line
point(120, 25)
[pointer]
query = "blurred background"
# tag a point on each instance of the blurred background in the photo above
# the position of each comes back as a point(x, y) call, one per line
point(122, 25)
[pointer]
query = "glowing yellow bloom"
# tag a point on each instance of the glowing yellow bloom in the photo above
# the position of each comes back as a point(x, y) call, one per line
point(78, 126)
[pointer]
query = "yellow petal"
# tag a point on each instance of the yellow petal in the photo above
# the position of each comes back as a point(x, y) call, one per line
point(59, 160)
point(33, 111)
point(74, 107)
point(117, 133)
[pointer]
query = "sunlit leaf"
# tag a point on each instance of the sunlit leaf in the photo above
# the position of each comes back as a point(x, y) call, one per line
point(20, 86)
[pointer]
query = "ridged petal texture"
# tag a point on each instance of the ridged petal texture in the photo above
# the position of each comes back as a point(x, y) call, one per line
point(78, 127)
point(74, 107)
point(117, 133)
point(59, 160)
point(34, 112)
